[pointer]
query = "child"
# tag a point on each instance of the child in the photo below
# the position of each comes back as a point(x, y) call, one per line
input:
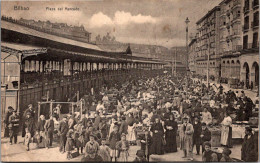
point(208, 155)
point(225, 155)
point(140, 156)
point(113, 139)
point(123, 147)
point(69, 143)
point(104, 151)
point(79, 140)
point(27, 138)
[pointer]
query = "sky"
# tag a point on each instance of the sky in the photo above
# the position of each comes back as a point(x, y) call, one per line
point(152, 22)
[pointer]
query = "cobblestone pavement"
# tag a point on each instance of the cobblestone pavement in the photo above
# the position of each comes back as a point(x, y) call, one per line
point(17, 152)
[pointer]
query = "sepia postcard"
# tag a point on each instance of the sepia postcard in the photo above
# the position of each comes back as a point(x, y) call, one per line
point(130, 81)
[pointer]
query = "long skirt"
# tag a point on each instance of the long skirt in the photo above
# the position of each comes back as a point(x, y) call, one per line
point(224, 135)
point(230, 145)
point(157, 145)
point(123, 157)
point(171, 144)
point(131, 133)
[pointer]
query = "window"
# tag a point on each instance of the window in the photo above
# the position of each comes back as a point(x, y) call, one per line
point(256, 19)
point(238, 13)
point(246, 22)
point(246, 5)
point(255, 3)
point(255, 39)
point(245, 42)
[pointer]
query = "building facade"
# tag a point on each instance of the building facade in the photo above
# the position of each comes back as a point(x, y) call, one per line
point(229, 34)
point(249, 57)
point(230, 38)
point(208, 43)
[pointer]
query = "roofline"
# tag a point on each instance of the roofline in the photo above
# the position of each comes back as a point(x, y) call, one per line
point(209, 13)
point(192, 41)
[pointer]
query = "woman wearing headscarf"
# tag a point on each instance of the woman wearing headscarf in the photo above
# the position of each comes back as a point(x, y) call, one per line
point(157, 137)
point(170, 134)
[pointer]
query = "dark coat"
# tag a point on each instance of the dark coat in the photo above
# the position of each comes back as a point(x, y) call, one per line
point(170, 136)
point(29, 123)
point(207, 135)
point(49, 126)
point(113, 139)
point(157, 139)
point(85, 122)
point(123, 127)
point(197, 132)
point(63, 128)
point(40, 126)
point(249, 150)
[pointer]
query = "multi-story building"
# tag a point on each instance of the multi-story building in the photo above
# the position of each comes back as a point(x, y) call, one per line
point(230, 38)
point(249, 57)
point(192, 55)
point(208, 43)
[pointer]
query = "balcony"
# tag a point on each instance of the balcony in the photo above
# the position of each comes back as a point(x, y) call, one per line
point(246, 9)
point(236, 4)
point(245, 28)
point(255, 4)
point(255, 24)
point(236, 19)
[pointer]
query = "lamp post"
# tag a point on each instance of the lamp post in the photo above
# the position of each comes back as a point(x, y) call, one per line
point(187, 53)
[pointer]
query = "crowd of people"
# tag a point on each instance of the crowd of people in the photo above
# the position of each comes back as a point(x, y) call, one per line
point(162, 114)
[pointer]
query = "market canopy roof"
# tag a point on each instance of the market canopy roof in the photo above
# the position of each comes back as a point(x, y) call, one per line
point(39, 53)
point(25, 50)
point(30, 31)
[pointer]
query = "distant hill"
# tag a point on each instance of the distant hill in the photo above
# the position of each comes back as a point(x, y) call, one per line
point(142, 50)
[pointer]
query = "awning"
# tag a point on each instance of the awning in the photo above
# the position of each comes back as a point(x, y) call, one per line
point(25, 50)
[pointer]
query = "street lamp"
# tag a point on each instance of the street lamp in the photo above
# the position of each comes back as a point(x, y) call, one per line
point(187, 30)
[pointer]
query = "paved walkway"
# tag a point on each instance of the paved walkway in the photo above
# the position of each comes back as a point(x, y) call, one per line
point(17, 152)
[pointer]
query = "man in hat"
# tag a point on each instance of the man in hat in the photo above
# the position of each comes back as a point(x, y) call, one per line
point(249, 150)
point(196, 135)
point(13, 127)
point(63, 129)
point(49, 128)
point(6, 120)
point(186, 135)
